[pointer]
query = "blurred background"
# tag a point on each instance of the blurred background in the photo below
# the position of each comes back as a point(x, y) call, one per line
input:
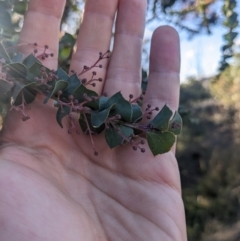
point(209, 148)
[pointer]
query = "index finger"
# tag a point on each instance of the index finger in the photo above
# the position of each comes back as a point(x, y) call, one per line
point(41, 26)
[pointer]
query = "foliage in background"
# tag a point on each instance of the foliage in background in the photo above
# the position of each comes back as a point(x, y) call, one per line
point(208, 157)
point(197, 16)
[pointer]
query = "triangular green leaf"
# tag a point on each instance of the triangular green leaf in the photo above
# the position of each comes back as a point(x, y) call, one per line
point(160, 143)
point(102, 102)
point(30, 60)
point(60, 85)
point(79, 93)
point(83, 125)
point(175, 124)
point(161, 120)
point(17, 58)
point(62, 112)
point(114, 138)
point(73, 83)
point(5, 89)
point(17, 70)
point(23, 90)
point(62, 74)
point(136, 113)
point(98, 118)
point(123, 107)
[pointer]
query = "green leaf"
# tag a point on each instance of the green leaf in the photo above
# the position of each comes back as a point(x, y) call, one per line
point(98, 118)
point(83, 125)
point(113, 138)
point(80, 91)
point(160, 143)
point(65, 53)
point(5, 20)
point(30, 60)
point(175, 124)
point(20, 7)
point(67, 40)
point(17, 58)
point(73, 83)
point(3, 53)
point(161, 120)
point(17, 70)
point(60, 85)
point(62, 74)
point(136, 113)
point(123, 107)
point(62, 112)
point(102, 102)
point(36, 68)
point(23, 90)
point(5, 89)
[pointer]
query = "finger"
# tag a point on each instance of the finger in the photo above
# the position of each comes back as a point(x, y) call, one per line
point(163, 84)
point(124, 72)
point(94, 37)
point(41, 26)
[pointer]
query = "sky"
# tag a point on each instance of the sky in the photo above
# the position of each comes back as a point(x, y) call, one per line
point(200, 56)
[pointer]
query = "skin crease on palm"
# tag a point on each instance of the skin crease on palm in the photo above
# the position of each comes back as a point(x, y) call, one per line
point(52, 186)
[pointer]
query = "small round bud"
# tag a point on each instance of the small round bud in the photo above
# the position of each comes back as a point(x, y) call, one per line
point(134, 148)
point(51, 54)
point(93, 84)
point(95, 153)
point(84, 81)
point(157, 109)
point(43, 58)
point(100, 66)
point(148, 117)
point(142, 142)
point(130, 96)
point(70, 97)
point(46, 46)
point(144, 92)
point(141, 97)
point(35, 44)
point(46, 55)
point(100, 53)
point(149, 106)
point(35, 51)
point(85, 67)
point(94, 73)
point(100, 79)
point(143, 150)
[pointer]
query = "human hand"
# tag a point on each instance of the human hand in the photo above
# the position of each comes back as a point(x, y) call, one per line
point(52, 186)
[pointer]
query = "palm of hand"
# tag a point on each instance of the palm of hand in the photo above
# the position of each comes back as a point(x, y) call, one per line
point(58, 190)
